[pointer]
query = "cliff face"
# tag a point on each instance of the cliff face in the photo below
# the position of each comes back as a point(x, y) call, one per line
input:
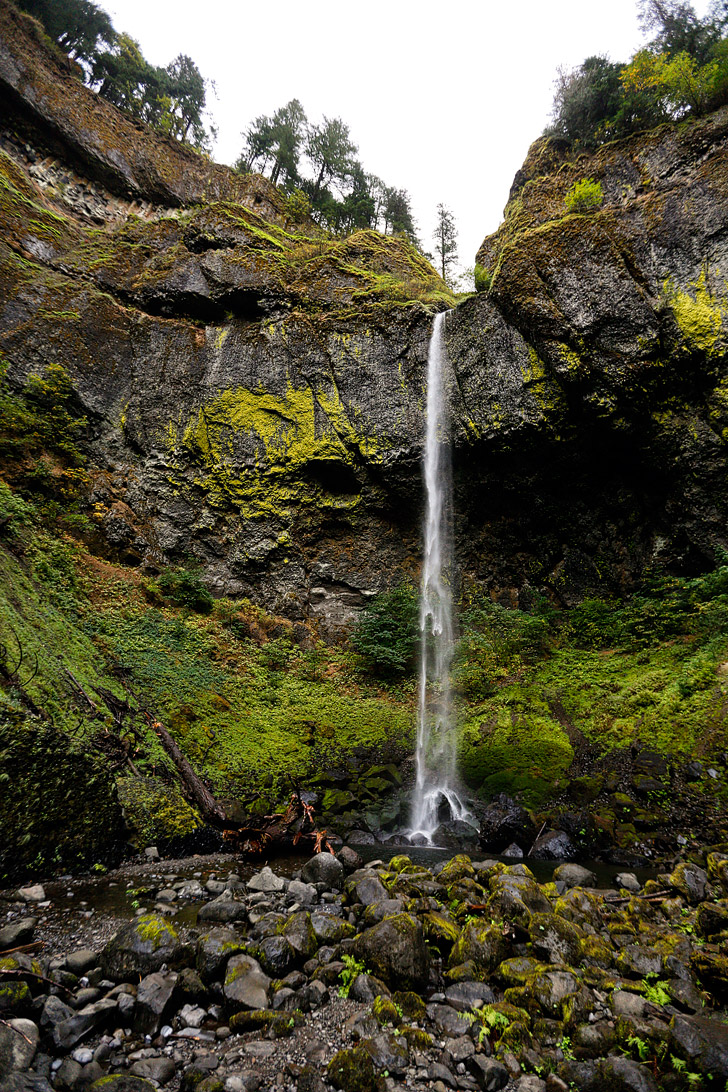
point(255, 391)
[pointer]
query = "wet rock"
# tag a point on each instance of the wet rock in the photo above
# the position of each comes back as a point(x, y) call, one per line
point(625, 1075)
point(330, 929)
point(505, 821)
point(483, 945)
point(324, 868)
point(276, 955)
point(554, 939)
point(711, 968)
point(712, 918)
point(513, 852)
point(142, 947)
point(299, 933)
point(395, 951)
point(245, 983)
point(122, 1082)
point(55, 1011)
point(554, 845)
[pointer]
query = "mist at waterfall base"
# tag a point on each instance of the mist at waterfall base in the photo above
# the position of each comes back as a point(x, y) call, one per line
point(436, 798)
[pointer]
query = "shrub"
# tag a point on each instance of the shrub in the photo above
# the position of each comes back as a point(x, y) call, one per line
point(387, 631)
point(184, 588)
point(483, 279)
point(584, 196)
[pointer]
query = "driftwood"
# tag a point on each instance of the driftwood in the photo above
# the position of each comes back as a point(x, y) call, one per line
point(253, 835)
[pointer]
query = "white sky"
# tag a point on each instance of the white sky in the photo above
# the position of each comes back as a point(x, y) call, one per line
point(443, 99)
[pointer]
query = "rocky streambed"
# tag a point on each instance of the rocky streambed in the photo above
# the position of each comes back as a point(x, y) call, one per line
point(468, 974)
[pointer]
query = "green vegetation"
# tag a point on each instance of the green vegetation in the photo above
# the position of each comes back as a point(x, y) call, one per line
point(337, 192)
point(171, 98)
point(584, 196)
point(683, 70)
point(387, 631)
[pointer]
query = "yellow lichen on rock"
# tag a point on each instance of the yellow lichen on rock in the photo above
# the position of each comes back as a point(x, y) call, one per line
point(698, 313)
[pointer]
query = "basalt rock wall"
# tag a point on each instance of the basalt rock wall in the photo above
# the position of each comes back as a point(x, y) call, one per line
point(254, 391)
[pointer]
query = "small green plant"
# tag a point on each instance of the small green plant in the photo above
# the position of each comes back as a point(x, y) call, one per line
point(640, 1047)
point(184, 588)
point(483, 279)
point(352, 969)
point(657, 993)
point(567, 1049)
point(584, 196)
point(386, 632)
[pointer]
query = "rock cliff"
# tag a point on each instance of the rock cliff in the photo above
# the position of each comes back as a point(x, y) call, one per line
point(254, 391)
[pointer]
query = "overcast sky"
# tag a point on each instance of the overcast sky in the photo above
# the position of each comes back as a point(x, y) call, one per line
point(442, 99)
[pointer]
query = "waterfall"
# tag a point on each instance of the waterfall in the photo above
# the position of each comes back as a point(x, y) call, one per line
point(435, 796)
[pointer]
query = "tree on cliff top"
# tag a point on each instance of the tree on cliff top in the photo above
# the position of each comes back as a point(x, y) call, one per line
point(79, 27)
point(446, 241)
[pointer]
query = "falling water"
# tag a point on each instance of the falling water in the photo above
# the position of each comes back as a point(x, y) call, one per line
point(436, 797)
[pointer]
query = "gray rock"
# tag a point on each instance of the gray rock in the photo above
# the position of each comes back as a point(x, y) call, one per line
point(513, 852)
point(324, 868)
point(34, 893)
point(366, 987)
point(388, 1052)
point(154, 999)
point(574, 875)
point(18, 1044)
point(143, 946)
point(214, 949)
point(554, 845)
point(266, 880)
point(703, 1043)
point(82, 960)
point(448, 1021)
point(350, 859)
point(365, 887)
point(16, 933)
point(304, 893)
point(490, 1074)
point(276, 955)
point(628, 881)
point(159, 1070)
point(395, 951)
point(224, 909)
point(245, 983)
point(465, 996)
point(67, 1033)
point(55, 1011)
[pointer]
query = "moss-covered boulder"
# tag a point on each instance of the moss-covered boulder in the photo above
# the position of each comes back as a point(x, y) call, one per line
point(142, 946)
point(481, 943)
point(353, 1071)
point(395, 951)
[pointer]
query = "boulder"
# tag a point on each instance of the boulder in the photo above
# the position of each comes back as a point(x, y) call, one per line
point(505, 821)
point(395, 951)
point(246, 986)
point(324, 868)
point(574, 875)
point(554, 845)
point(141, 947)
point(18, 1044)
point(213, 951)
point(702, 1043)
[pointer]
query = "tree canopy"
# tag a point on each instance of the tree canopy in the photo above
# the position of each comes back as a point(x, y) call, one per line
point(682, 70)
point(318, 165)
point(171, 98)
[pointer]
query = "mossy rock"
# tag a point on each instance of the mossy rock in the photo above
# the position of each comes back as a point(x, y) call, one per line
point(481, 944)
point(385, 1011)
point(411, 1004)
point(353, 1071)
point(143, 946)
point(416, 1038)
point(440, 931)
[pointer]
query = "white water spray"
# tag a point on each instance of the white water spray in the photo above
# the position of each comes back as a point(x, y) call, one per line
point(435, 796)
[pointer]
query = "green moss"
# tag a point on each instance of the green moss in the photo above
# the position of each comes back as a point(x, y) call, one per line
point(156, 811)
point(698, 314)
point(156, 931)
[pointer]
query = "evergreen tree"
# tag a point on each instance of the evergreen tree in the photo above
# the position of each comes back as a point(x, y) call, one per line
point(79, 27)
point(446, 241)
point(275, 143)
point(332, 154)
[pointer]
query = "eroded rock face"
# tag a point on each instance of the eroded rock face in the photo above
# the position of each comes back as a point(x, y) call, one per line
point(255, 394)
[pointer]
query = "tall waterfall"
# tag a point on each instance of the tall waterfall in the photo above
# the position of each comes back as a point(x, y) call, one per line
point(435, 796)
